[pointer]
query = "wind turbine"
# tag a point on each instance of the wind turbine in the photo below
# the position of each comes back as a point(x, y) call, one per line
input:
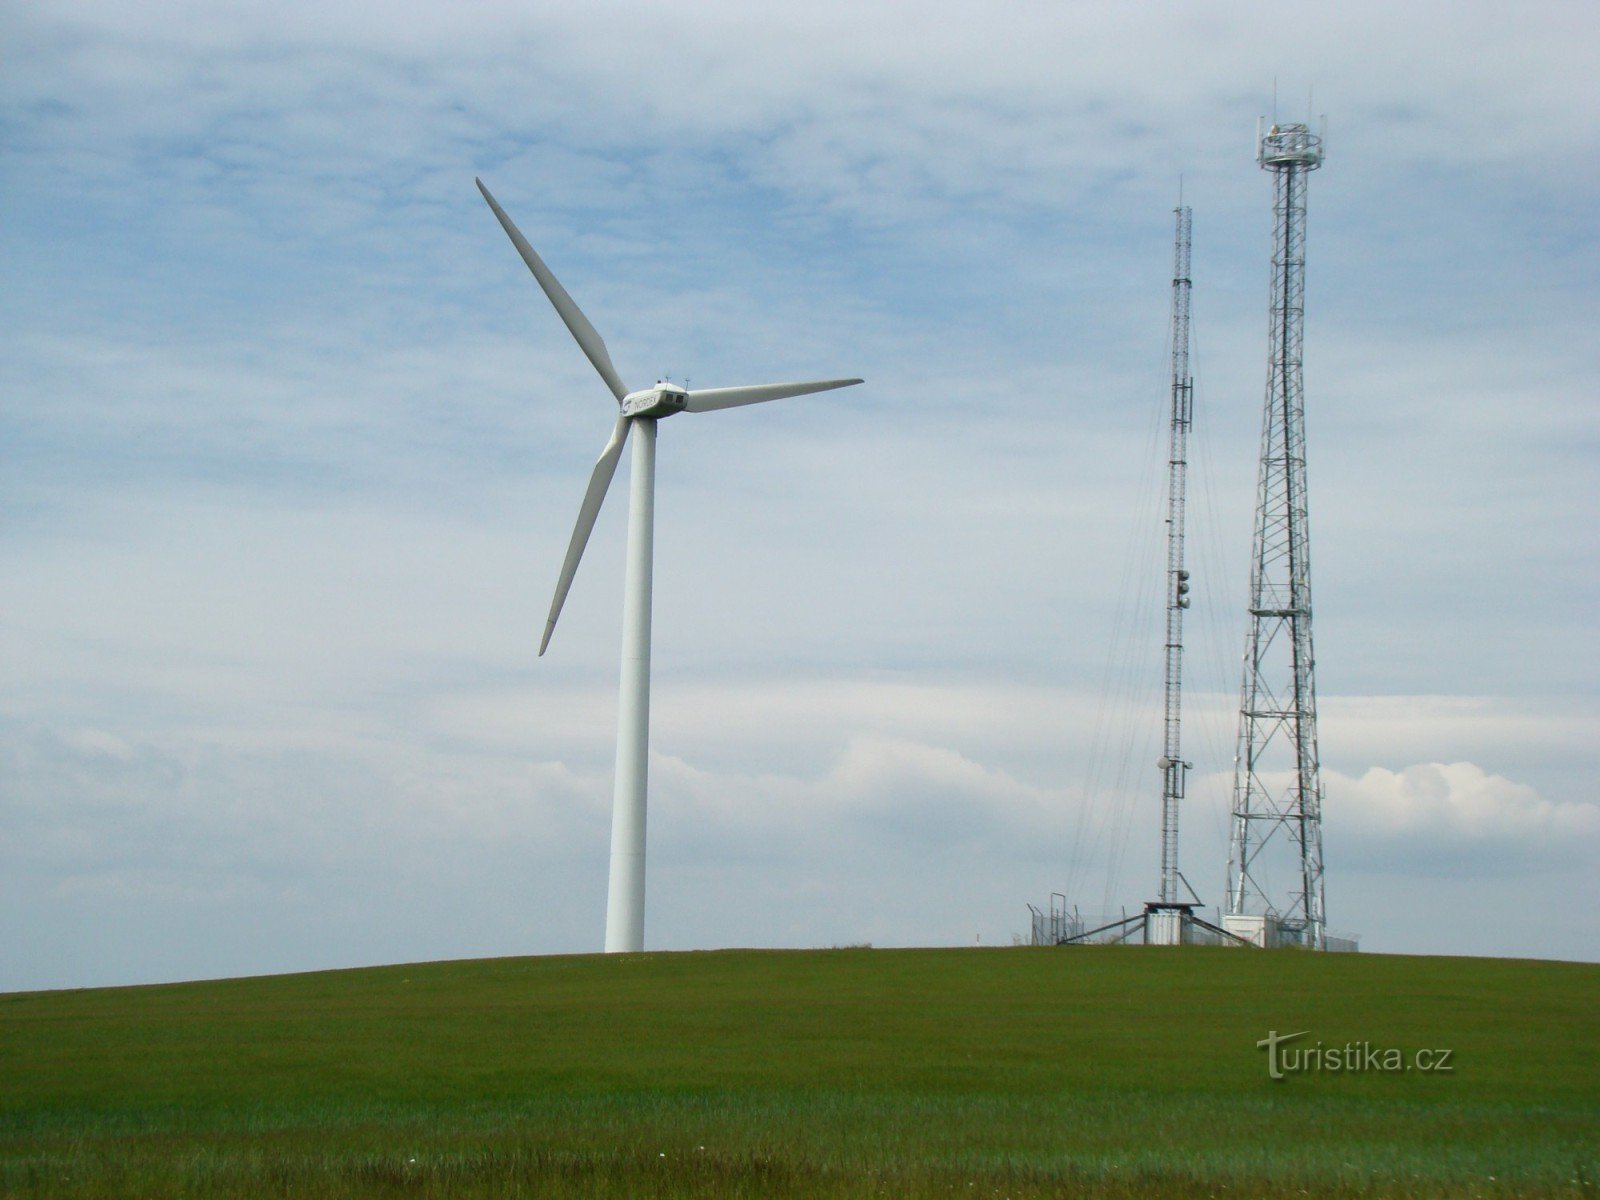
point(638, 411)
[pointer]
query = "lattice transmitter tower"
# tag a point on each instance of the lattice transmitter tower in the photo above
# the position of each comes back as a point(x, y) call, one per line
point(1173, 769)
point(1275, 855)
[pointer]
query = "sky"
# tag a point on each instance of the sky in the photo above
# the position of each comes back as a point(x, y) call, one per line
point(291, 445)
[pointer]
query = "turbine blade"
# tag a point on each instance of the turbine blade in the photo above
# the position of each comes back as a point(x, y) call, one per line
point(599, 483)
point(711, 399)
point(584, 333)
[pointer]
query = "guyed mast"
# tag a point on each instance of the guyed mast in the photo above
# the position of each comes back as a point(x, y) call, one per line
point(1174, 770)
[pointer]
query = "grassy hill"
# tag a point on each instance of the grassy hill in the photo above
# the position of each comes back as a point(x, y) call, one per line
point(1099, 1071)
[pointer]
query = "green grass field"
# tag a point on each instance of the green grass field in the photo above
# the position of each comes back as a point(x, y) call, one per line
point(1094, 1071)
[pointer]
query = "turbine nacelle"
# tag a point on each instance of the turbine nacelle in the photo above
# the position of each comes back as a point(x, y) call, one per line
point(660, 401)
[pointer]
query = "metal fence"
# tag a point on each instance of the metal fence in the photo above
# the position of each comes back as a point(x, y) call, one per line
point(1169, 925)
point(1062, 925)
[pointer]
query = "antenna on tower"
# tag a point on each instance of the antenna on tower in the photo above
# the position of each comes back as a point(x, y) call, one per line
point(1170, 920)
point(1164, 918)
point(1277, 790)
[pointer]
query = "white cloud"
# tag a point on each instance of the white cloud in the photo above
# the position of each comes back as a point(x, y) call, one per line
point(1447, 817)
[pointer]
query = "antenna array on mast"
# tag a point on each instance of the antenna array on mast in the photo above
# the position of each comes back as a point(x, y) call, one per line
point(1275, 852)
point(1170, 920)
point(1173, 769)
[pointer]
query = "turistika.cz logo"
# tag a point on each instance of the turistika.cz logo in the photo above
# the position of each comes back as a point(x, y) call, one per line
point(1351, 1058)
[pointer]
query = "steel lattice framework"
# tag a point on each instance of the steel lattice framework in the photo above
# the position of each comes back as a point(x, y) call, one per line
point(1275, 856)
point(1173, 768)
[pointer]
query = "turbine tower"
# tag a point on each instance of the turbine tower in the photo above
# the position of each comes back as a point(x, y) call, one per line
point(1275, 852)
point(638, 411)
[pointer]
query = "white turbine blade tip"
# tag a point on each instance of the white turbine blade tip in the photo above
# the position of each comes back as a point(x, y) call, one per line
point(712, 399)
point(588, 339)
